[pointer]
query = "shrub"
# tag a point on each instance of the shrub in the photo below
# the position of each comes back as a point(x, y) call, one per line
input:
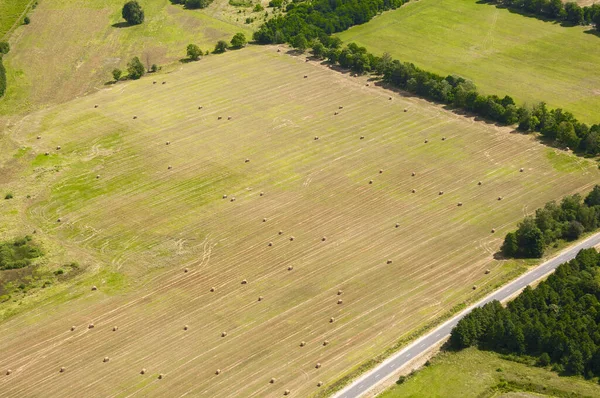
point(4, 47)
point(18, 253)
point(26, 20)
point(194, 4)
point(221, 47)
point(194, 52)
point(135, 69)
point(154, 68)
point(258, 8)
point(133, 13)
point(8, 196)
point(276, 3)
point(238, 40)
point(117, 73)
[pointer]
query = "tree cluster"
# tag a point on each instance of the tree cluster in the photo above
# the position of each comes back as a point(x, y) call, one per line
point(558, 322)
point(193, 4)
point(320, 18)
point(567, 220)
point(559, 126)
point(569, 12)
point(18, 254)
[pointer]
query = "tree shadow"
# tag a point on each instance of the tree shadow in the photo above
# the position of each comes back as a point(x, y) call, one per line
point(592, 32)
point(187, 60)
point(121, 25)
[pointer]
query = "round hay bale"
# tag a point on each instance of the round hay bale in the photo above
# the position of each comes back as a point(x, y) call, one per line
point(335, 113)
point(228, 117)
point(260, 298)
point(318, 365)
point(224, 196)
point(185, 270)
point(115, 328)
point(58, 220)
point(370, 181)
point(414, 191)
point(219, 117)
point(47, 153)
point(323, 239)
point(331, 320)
point(95, 106)
point(169, 167)
point(341, 107)
point(479, 183)
point(319, 384)
point(426, 141)
point(389, 261)
point(106, 359)
point(493, 230)
point(213, 289)
point(185, 327)
point(168, 143)
point(397, 225)
point(291, 238)
point(302, 343)
point(39, 137)
point(380, 171)
point(443, 138)
point(390, 98)
point(441, 193)
point(340, 301)
point(413, 174)
point(521, 169)
point(94, 288)
point(262, 194)
point(306, 76)
point(340, 292)
point(154, 82)
point(278, 50)
point(264, 220)
point(499, 197)
point(487, 271)
point(160, 376)
point(459, 204)
point(270, 244)
point(8, 372)
point(218, 371)
point(58, 148)
point(62, 369)
point(200, 107)
point(135, 117)
point(143, 371)
point(247, 160)
point(316, 137)
point(91, 326)
point(223, 334)
point(164, 82)
point(405, 109)
point(290, 267)
point(232, 199)
point(362, 137)
point(280, 232)
point(273, 380)
point(97, 176)
point(73, 328)
point(474, 287)
point(306, 60)
point(244, 282)
point(286, 392)
point(326, 342)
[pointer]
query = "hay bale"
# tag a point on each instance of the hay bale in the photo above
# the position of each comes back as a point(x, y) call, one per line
point(302, 343)
point(362, 137)
point(185, 327)
point(143, 371)
point(228, 117)
point(291, 238)
point(441, 193)
point(331, 320)
point(223, 334)
point(264, 220)
point(426, 141)
point(335, 113)
point(341, 107)
point(47, 153)
point(260, 298)
point(459, 204)
point(380, 171)
point(273, 380)
point(247, 160)
point(94, 288)
point(154, 82)
point(262, 194)
point(389, 261)
point(318, 365)
point(73, 328)
point(493, 230)
point(323, 239)
point(39, 137)
point(339, 293)
point(397, 225)
point(105, 359)
point(135, 117)
point(224, 196)
point(270, 244)
point(160, 376)
point(8, 372)
point(340, 301)
point(370, 181)
point(164, 82)
point(244, 282)
point(521, 169)
point(306, 76)
point(443, 138)
point(474, 287)
point(405, 109)
point(286, 392)
point(97, 176)
point(169, 167)
point(58, 148)
point(185, 270)
point(290, 267)
point(479, 183)
point(280, 232)
point(232, 199)
point(213, 289)
point(316, 137)
point(219, 117)
point(58, 220)
point(115, 328)
point(95, 106)
point(319, 384)
point(367, 84)
point(326, 342)
point(413, 174)
point(278, 50)
point(168, 143)
point(200, 107)
point(91, 326)
point(218, 371)
point(390, 98)
point(487, 271)
point(62, 369)
point(414, 191)
point(499, 197)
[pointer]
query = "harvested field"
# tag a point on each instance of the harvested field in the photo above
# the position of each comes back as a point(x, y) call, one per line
point(147, 224)
point(501, 51)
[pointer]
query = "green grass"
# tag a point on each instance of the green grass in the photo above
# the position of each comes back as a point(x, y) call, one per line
point(478, 374)
point(10, 12)
point(502, 52)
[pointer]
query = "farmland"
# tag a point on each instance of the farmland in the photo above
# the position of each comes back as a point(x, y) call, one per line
point(320, 220)
point(71, 47)
point(501, 51)
point(474, 373)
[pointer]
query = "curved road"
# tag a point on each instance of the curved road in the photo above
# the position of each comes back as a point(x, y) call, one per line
point(398, 360)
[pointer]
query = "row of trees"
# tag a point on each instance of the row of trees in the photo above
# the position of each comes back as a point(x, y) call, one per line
point(558, 322)
point(320, 18)
point(557, 125)
point(237, 41)
point(569, 12)
point(4, 49)
point(567, 220)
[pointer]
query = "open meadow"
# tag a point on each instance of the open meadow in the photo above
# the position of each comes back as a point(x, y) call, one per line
point(352, 217)
point(502, 52)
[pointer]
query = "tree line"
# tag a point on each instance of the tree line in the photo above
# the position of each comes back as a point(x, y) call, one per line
point(558, 323)
point(4, 49)
point(557, 125)
point(567, 220)
point(569, 12)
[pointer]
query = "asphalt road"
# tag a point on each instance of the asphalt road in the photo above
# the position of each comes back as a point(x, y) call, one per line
point(389, 366)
